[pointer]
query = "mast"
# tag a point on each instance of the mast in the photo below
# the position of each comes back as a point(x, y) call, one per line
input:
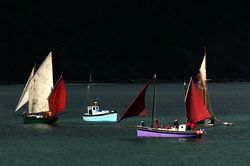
point(154, 105)
point(204, 77)
point(89, 97)
point(32, 101)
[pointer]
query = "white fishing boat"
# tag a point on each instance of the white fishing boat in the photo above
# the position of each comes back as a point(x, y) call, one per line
point(94, 113)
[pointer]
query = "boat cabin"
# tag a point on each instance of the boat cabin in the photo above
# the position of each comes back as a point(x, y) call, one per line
point(93, 109)
point(182, 127)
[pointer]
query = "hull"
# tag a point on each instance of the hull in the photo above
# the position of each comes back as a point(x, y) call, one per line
point(206, 123)
point(35, 120)
point(151, 132)
point(110, 117)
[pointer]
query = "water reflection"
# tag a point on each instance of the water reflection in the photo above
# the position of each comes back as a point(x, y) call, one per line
point(40, 127)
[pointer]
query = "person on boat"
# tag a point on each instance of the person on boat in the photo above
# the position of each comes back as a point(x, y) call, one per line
point(193, 126)
point(176, 123)
point(212, 119)
point(188, 125)
point(142, 123)
point(48, 114)
point(156, 124)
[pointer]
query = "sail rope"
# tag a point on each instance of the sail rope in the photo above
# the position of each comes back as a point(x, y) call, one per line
point(214, 117)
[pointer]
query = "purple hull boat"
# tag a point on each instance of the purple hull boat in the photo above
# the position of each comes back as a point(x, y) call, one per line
point(195, 111)
point(165, 133)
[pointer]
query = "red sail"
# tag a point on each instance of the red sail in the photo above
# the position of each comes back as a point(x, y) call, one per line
point(57, 98)
point(195, 108)
point(137, 106)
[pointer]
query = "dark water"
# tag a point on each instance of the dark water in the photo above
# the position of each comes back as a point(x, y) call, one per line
point(74, 142)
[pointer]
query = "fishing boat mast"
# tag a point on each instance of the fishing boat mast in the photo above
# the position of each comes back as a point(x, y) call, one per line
point(89, 97)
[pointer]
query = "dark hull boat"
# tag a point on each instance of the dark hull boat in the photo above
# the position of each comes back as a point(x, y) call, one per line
point(39, 119)
point(45, 102)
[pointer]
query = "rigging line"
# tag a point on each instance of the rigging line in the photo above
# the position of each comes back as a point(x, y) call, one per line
point(209, 104)
point(10, 109)
point(212, 112)
point(210, 108)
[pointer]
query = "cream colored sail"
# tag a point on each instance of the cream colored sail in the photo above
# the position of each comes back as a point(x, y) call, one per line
point(41, 86)
point(202, 77)
point(25, 94)
point(203, 70)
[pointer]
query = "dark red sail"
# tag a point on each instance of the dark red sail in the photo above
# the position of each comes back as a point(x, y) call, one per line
point(137, 106)
point(195, 108)
point(57, 98)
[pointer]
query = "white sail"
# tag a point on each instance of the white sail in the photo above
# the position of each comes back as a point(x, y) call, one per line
point(25, 94)
point(41, 86)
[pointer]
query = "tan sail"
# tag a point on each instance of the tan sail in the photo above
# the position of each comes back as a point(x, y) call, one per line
point(25, 94)
point(41, 86)
point(202, 77)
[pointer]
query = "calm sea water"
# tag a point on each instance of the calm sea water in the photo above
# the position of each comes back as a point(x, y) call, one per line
point(74, 142)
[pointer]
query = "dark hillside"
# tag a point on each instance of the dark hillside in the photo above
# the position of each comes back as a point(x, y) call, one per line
point(120, 41)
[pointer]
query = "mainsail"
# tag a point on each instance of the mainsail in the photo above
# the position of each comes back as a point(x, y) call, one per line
point(25, 94)
point(40, 87)
point(202, 78)
point(195, 109)
point(137, 106)
point(57, 98)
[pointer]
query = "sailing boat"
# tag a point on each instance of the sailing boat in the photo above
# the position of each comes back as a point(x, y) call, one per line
point(203, 92)
point(137, 108)
point(94, 114)
point(45, 103)
point(202, 89)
